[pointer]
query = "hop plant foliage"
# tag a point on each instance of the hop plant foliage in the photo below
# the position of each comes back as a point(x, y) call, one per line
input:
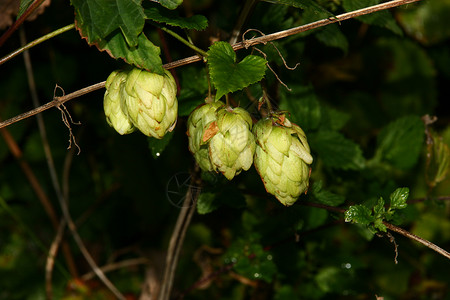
point(282, 158)
point(143, 100)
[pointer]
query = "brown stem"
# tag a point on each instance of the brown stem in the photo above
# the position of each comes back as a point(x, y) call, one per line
point(19, 22)
point(177, 238)
point(417, 239)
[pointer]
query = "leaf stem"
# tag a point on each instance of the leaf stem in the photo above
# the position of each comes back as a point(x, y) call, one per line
point(184, 41)
point(36, 42)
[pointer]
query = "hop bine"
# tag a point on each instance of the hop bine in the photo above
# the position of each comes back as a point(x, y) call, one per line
point(282, 158)
point(220, 138)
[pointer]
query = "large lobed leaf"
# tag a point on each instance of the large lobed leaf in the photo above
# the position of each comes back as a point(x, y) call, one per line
point(229, 76)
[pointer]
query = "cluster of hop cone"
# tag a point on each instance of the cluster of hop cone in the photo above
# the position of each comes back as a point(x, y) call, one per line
point(221, 138)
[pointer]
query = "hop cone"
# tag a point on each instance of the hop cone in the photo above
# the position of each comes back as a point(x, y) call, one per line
point(199, 121)
point(149, 101)
point(282, 158)
point(232, 146)
point(112, 103)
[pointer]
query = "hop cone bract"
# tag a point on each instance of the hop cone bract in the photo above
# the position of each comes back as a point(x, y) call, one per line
point(282, 158)
point(198, 122)
point(149, 101)
point(232, 147)
point(112, 103)
point(220, 138)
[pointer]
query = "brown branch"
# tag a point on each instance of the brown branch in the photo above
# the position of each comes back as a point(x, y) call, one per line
point(117, 265)
point(417, 239)
point(177, 238)
point(19, 21)
point(245, 44)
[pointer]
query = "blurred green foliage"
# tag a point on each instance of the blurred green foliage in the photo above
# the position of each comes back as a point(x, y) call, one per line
point(360, 92)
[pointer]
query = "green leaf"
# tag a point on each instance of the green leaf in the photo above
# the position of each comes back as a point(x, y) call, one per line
point(379, 209)
point(359, 214)
point(337, 151)
point(398, 198)
point(382, 18)
point(326, 197)
point(304, 4)
point(206, 203)
point(379, 226)
point(438, 160)
point(24, 4)
point(96, 19)
point(161, 15)
point(333, 119)
point(400, 142)
point(157, 146)
point(303, 106)
point(145, 55)
point(229, 76)
point(332, 36)
point(170, 4)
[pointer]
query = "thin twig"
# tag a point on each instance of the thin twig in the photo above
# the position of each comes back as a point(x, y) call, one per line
point(116, 266)
point(196, 58)
point(177, 238)
point(19, 21)
point(417, 239)
point(52, 252)
point(36, 42)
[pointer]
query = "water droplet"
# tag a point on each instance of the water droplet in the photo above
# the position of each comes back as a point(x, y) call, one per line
point(233, 260)
point(346, 265)
point(158, 154)
point(269, 257)
point(256, 275)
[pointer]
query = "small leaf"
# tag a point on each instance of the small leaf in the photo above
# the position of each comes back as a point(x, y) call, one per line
point(398, 198)
point(337, 151)
point(359, 214)
point(161, 15)
point(379, 226)
point(206, 203)
point(145, 55)
point(229, 76)
point(96, 19)
point(400, 142)
point(170, 4)
point(157, 146)
point(24, 4)
point(379, 209)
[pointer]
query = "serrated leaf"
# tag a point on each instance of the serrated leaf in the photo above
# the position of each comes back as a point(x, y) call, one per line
point(161, 15)
point(145, 55)
point(359, 214)
point(170, 4)
point(332, 36)
point(400, 142)
point(398, 198)
point(206, 203)
point(229, 76)
point(96, 19)
point(157, 146)
point(336, 151)
point(303, 106)
point(378, 224)
point(381, 18)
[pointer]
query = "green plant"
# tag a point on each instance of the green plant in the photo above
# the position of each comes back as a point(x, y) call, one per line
point(175, 215)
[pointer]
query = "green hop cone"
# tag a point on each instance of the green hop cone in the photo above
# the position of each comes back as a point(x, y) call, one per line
point(232, 144)
point(149, 101)
point(282, 158)
point(112, 103)
point(198, 123)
